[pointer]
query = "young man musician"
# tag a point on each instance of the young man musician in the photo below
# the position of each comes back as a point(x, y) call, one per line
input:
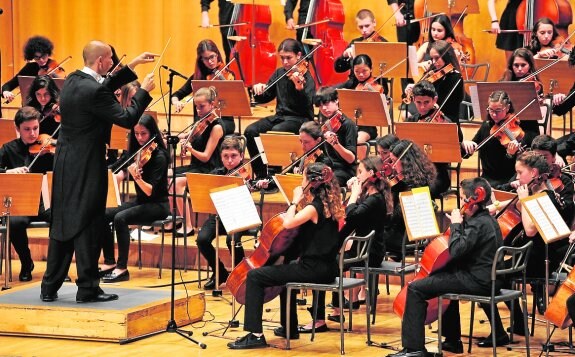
point(15, 158)
point(475, 237)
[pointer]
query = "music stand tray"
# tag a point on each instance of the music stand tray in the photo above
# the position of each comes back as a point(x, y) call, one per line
point(365, 107)
point(560, 71)
point(440, 141)
point(457, 7)
point(520, 93)
point(279, 148)
point(387, 58)
point(232, 97)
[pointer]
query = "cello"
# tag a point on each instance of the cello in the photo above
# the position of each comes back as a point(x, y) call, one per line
point(435, 257)
point(557, 312)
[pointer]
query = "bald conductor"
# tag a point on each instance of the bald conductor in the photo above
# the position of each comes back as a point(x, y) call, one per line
point(80, 182)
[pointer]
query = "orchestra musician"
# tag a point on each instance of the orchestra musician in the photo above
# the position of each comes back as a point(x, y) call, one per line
point(439, 29)
point(520, 65)
point(43, 97)
point(225, 12)
point(316, 212)
point(383, 145)
point(367, 207)
point(545, 40)
point(15, 158)
point(365, 23)
point(406, 31)
point(150, 173)
point(208, 63)
point(507, 42)
point(294, 99)
point(203, 147)
point(89, 109)
point(498, 160)
point(289, 9)
point(474, 238)
point(37, 52)
point(231, 152)
point(531, 168)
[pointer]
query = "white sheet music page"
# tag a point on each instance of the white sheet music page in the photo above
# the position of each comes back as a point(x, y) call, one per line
point(236, 209)
point(542, 220)
point(554, 216)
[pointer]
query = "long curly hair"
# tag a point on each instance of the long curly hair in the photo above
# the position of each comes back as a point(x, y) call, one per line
point(326, 188)
point(417, 169)
point(375, 164)
point(38, 44)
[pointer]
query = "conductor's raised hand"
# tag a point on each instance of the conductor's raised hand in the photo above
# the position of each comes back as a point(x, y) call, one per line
point(148, 83)
point(146, 57)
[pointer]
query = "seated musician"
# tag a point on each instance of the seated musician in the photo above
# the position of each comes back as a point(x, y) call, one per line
point(151, 202)
point(425, 100)
point(439, 29)
point(367, 207)
point(231, 152)
point(571, 299)
point(521, 65)
point(37, 52)
point(546, 41)
point(365, 23)
point(293, 101)
point(15, 158)
point(474, 238)
point(497, 159)
point(532, 169)
point(383, 145)
point(209, 62)
point(316, 210)
point(411, 168)
point(44, 98)
point(202, 145)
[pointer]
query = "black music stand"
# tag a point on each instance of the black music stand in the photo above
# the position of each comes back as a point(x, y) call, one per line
point(20, 194)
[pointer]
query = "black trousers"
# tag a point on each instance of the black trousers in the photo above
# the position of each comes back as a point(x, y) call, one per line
point(122, 216)
point(204, 241)
point(19, 235)
point(306, 271)
point(571, 307)
point(413, 326)
point(86, 247)
point(275, 123)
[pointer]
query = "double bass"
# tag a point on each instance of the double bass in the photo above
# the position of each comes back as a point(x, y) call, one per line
point(558, 11)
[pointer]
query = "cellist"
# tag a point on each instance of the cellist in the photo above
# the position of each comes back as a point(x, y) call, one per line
point(475, 237)
point(316, 211)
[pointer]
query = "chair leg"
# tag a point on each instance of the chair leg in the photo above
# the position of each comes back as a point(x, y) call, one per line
point(341, 319)
point(368, 306)
point(139, 247)
point(288, 320)
point(315, 299)
point(493, 337)
point(161, 257)
point(470, 344)
point(525, 324)
point(533, 315)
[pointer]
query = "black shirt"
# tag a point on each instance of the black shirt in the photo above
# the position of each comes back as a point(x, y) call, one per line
point(347, 137)
point(443, 87)
point(319, 240)
point(30, 69)
point(200, 144)
point(15, 154)
point(155, 172)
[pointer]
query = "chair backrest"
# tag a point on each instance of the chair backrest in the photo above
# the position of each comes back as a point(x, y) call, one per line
point(363, 247)
point(518, 256)
point(475, 70)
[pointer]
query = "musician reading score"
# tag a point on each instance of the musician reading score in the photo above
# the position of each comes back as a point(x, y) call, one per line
point(475, 237)
point(43, 97)
point(316, 212)
point(151, 180)
point(14, 159)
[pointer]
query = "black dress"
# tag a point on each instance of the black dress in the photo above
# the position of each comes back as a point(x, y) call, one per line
point(509, 41)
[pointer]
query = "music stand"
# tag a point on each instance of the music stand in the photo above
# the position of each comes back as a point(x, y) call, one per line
point(20, 194)
point(387, 58)
point(25, 82)
point(365, 107)
point(562, 76)
point(287, 183)
point(440, 141)
point(450, 7)
point(7, 131)
point(232, 98)
point(280, 148)
point(520, 93)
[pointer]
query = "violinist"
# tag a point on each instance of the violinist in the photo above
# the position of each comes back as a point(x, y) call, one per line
point(231, 152)
point(149, 171)
point(37, 52)
point(545, 40)
point(497, 159)
point(474, 238)
point(383, 145)
point(294, 98)
point(203, 147)
point(208, 62)
point(43, 97)
point(289, 9)
point(532, 169)
point(521, 65)
point(411, 168)
point(15, 159)
point(425, 100)
point(508, 42)
point(316, 212)
point(367, 207)
point(365, 23)
point(439, 29)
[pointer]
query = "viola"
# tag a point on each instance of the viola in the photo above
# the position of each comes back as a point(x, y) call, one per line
point(511, 131)
point(436, 75)
point(435, 256)
point(44, 143)
point(370, 85)
point(145, 154)
point(221, 73)
point(297, 74)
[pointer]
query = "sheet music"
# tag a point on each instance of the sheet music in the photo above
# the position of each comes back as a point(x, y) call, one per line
point(236, 209)
point(554, 216)
point(475, 101)
point(544, 224)
point(418, 213)
point(412, 59)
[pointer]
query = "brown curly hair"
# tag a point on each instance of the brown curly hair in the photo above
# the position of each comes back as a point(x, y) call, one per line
point(328, 191)
point(418, 170)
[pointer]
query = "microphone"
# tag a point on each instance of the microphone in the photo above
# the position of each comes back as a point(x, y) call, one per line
point(173, 71)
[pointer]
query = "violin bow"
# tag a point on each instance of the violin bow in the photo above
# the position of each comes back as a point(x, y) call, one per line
point(46, 143)
point(224, 25)
point(297, 27)
point(116, 66)
point(161, 56)
point(446, 98)
point(426, 17)
point(223, 69)
point(461, 16)
point(134, 155)
point(58, 65)
point(237, 169)
point(549, 65)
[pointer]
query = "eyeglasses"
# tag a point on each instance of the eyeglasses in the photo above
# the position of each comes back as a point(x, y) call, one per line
point(37, 58)
point(495, 111)
point(209, 58)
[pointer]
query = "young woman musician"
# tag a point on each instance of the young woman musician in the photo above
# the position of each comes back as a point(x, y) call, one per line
point(532, 169)
point(208, 63)
point(37, 52)
point(149, 171)
point(545, 40)
point(411, 168)
point(384, 144)
point(497, 156)
point(202, 145)
point(316, 210)
point(520, 65)
point(367, 207)
point(294, 99)
point(44, 98)
point(439, 29)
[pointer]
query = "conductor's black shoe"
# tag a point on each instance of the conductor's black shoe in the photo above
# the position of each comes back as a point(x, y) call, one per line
point(487, 342)
point(452, 346)
point(26, 273)
point(406, 353)
point(99, 296)
point(248, 341)
point(281, 332)
point(48, 297)
point(114, 277)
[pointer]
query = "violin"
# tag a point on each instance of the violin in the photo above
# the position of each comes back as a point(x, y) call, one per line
point(54, 69)
point(334, 123)
point(54, 113)
point(434, 116)
point(145, 154)
point(511, 131)
point(370, 85)
point(309, 159)
point(435, 75)
point(45, 143)
point(198, 129)
point(297, 74)
point(390, 174)
point(221, 73)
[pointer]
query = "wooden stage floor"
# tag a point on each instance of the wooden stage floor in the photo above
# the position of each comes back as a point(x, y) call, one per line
point(386, 329)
